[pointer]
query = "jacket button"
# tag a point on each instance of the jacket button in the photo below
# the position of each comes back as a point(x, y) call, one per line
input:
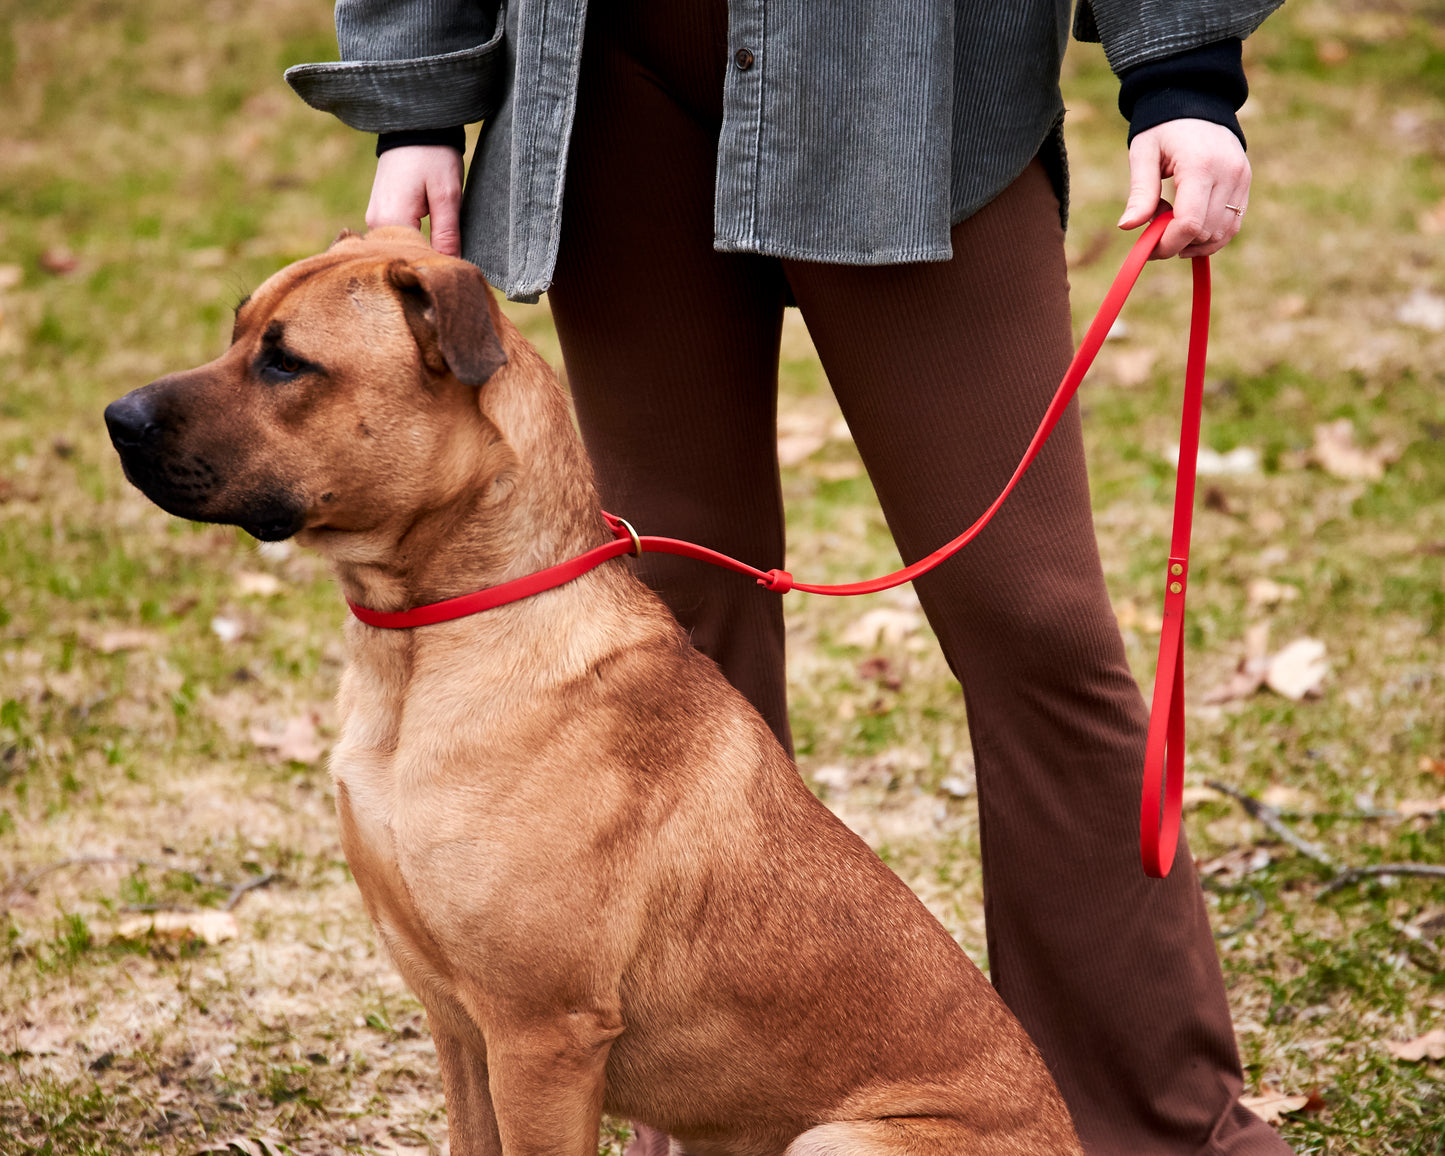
point(743, 58)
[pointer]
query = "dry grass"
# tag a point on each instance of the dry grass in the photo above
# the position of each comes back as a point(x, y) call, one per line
point(147, 674)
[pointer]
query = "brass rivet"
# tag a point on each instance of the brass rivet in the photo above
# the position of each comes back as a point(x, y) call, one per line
point(1175, 587)
point(1177, 568)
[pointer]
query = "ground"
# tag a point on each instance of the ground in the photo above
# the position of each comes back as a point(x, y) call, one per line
point(165, 688)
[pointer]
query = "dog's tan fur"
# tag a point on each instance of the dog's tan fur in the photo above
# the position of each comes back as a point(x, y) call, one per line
point(584, 850)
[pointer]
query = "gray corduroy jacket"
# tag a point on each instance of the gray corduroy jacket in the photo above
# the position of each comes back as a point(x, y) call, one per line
point(859, 133)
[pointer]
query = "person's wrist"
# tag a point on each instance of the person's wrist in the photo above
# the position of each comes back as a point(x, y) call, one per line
point(1205, 83)
point(455, 138)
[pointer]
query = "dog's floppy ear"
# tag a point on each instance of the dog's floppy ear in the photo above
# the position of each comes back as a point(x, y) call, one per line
point(447, 308)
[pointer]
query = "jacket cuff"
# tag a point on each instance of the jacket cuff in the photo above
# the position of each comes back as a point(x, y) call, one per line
point(429, 92)
point(451, 137)
point(1206, 83)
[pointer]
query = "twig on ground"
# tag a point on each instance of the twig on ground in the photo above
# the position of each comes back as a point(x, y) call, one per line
point(1354, 874)
point(240, 889)
point(237, 890)
point(1271, 819)
point(1343, 876)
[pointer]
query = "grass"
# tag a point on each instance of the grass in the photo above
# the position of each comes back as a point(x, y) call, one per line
point(144, 662)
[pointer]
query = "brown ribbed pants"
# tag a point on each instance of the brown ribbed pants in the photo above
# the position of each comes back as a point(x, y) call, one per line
point(942, 371)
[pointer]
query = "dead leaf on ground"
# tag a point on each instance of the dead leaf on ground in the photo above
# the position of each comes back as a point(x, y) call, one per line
point(1248, 676)
point(1131, 367)
point(1263, 593)
point(1198, 796)
point(1298, 670)
point(59, 260)
point(1432, 221)
point(1270, 1106)
point(1429, 1046)
point(211, 927)
point(296, 741)
point(883, 624)
point(1238, 462)
point(1410, 808)
point(1423, 310)
point(228, 629)
point(1132, 618)
point(796, 448)
point(1429, 765)
point(123, 638)
point(1236, 863)
point(1336, 452)
point(881, 669)
point(1281, 796)
point(257, 583)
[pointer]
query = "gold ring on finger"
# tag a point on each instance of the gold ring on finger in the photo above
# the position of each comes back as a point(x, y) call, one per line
point(1236, 209)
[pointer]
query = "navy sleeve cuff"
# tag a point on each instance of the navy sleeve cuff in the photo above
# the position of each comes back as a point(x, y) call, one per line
point(452, 137)
point(1205, 83)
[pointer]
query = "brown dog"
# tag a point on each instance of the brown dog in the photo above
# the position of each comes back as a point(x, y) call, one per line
point(585, 851)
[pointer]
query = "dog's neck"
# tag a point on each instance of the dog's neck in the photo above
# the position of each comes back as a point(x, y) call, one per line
point(531, 504)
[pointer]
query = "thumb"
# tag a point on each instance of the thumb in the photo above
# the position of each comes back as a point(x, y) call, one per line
point(1145, 182)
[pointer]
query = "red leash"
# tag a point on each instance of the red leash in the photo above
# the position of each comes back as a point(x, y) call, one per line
point(1164, 752)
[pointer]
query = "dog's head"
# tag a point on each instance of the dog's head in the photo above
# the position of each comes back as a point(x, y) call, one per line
point(345, 371)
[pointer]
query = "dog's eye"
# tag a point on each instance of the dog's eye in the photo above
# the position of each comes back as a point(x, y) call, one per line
point(281, 364)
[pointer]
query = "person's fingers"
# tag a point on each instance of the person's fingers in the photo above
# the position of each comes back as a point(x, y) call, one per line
point(444, 202)
point(419, 181)
point(1228, 202)
point(1145, 182)
point(1195, 216)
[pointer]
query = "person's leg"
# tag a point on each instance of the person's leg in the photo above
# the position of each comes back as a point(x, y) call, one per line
point(671, 348)
point(943, 371)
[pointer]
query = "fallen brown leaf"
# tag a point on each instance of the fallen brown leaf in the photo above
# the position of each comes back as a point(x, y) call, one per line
point(257, 583)
point(211, 927)
point(1263, 593)
point(124, 638)
point(1132, 618)
point(59, 261)
point(890, 626)
point(1430, 765)
point(796, 448)
point(1429, 1046)
point(1336, 452)
point(295, 742)
point(1410, 808)
point(1298, 670)
point(880, 669)
point(1248, 676)
point(1270, 1106)
point(1235, 864)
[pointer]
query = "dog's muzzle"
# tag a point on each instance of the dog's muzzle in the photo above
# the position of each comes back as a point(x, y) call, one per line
point(146, 435)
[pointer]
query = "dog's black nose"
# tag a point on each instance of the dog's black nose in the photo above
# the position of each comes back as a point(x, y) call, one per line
point(132, 422)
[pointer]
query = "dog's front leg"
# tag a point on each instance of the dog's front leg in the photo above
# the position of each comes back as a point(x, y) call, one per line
point(471, 1122)
point(547, 1077)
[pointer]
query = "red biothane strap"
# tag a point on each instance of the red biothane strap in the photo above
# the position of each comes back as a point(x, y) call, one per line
point(1164, 753)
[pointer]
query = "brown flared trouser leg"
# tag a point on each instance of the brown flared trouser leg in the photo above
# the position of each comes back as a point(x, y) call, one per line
point(942, 371)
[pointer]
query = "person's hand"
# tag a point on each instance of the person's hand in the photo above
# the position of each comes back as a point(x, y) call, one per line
point(1211, 185)
point(417, 181)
